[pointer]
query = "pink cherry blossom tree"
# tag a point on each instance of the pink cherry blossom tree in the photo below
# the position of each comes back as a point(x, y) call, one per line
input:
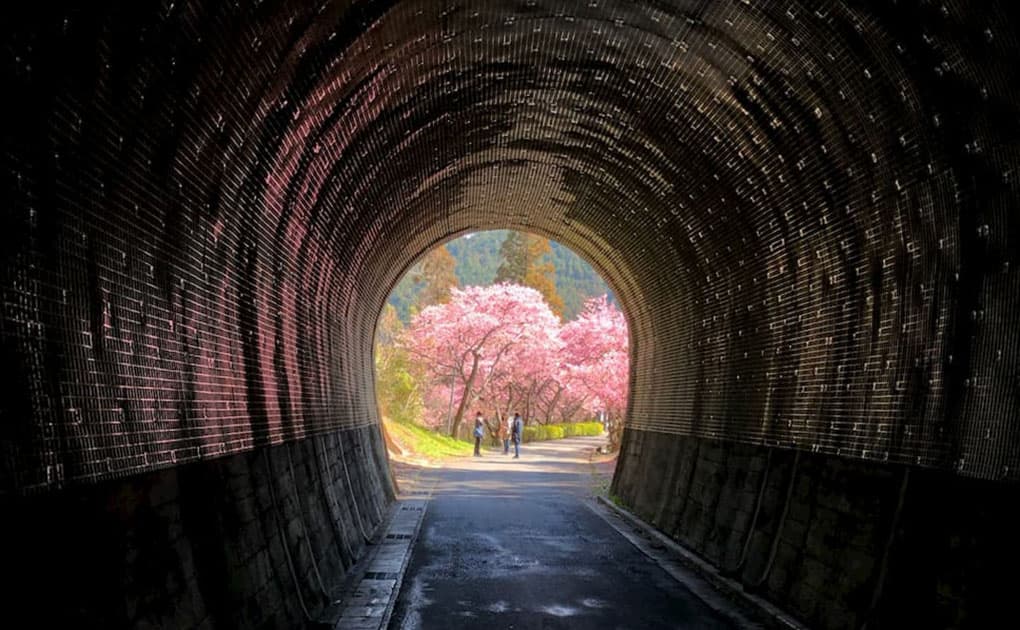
point(596, 361)
point(501, 349)
point(478, 342)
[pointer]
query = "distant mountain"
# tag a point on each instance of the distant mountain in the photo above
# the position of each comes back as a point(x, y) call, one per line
point(477, 257)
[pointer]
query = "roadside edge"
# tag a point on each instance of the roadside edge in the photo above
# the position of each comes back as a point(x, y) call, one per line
point(680, 562)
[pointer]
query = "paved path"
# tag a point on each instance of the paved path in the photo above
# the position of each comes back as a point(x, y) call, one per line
point(513, 544)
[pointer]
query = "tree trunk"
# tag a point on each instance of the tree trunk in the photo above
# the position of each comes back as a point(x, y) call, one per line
point(550, 410)
point(509, 401)
point(569, 412)
point(467, 394)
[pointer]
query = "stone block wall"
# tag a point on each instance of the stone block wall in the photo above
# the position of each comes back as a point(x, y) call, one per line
point(836, 542)
point(261, 539)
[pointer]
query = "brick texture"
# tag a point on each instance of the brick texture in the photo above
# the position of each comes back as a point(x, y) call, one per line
point(805, 212)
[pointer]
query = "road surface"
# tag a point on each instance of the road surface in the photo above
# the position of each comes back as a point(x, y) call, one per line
point(511, 543)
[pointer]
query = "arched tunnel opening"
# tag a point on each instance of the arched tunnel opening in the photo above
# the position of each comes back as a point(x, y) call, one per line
point(491, 324)
point(808, 209)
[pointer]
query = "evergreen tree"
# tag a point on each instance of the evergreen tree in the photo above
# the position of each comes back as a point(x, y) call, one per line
point(527, 261)
point(514, 256)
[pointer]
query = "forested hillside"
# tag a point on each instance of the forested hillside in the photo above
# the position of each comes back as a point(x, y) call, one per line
point(478, 258)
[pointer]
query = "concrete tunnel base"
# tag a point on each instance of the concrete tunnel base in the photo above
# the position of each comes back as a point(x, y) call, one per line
point(859, 542)
point(249, 540)
point(256, 539)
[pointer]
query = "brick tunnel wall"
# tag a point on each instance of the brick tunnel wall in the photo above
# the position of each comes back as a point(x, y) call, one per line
point(807, 210)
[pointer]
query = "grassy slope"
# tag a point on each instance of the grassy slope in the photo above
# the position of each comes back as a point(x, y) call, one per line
point(421, 442)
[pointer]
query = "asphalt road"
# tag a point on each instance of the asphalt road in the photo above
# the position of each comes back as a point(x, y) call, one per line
point(512, 544)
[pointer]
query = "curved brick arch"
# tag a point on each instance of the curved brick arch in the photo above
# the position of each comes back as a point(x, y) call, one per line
point(209, 204)
point(808, 210)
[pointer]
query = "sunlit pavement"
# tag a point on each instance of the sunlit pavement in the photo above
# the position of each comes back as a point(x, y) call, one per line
point(512, 543)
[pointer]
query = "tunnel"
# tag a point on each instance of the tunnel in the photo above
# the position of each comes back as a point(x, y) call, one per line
point(808, 210)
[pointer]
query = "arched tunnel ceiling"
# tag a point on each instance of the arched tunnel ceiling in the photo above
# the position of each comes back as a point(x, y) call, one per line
point(808, 210)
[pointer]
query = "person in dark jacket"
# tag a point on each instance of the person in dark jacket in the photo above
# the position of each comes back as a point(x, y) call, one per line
point(516, 433)
point(479, 433)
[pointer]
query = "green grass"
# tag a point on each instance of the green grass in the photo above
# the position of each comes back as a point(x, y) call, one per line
point(426, 443)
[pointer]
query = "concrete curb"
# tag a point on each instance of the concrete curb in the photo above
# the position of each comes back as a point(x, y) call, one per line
point(383, 574)
point(766, 612)
point(406, 561)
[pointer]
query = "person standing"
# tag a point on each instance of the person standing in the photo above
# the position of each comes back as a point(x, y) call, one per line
point(504, 434)
point(516, 433)
point(479, 433)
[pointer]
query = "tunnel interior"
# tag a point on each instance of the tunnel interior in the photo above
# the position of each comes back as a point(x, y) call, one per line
point(807, 210)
